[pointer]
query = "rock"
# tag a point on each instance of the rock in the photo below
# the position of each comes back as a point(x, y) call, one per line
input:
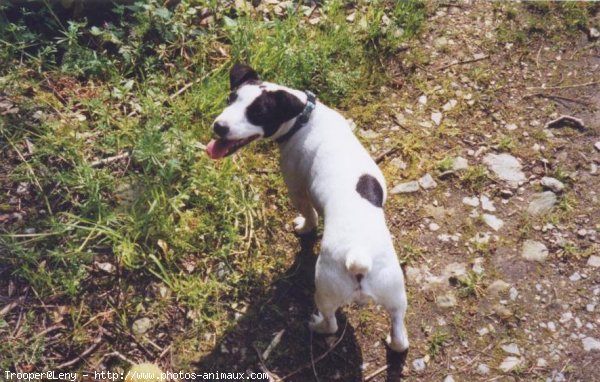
point(492, 221)
point(433, 227)
point(590, 343)
point(368, 134)
point(106, 267)
point(498, 286)
point(557, 377)
point(551, 326)
point(552, 184)
point(506, 193)
point(427, 182)
point(590, 307)
point(437, 212)
point(593, 261)
point(506, 167)
point(566, 317)
point(502, 311)
point(422, 99)
point(534, 251)
point(413, 274)
point(141, 326)
point(511, 126)
point(511, 349)
point(483, 369)
point(483, 331)
point(418, 364)
point(594, 34)
point(481, 238)
point(513, 293)
point(23, 188)
point(449, 378)
point(436, 117)
point(487, 204)
point(541, 203)
point(457, 271)
point(398, 163)
point(510, 363)
point(450, 105)
point(597, 145)
point(582, 233)
point(541, 362)
point(440, 42)
point(471, 201)
point(460, 164)
point(565, 121)
point(478, 265)
point(447, 300)
point(404, 188)
point(576, 276)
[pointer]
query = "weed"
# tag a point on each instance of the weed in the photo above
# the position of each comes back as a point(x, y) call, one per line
point(437, 341)
point(506, 143)
point(445, 164)
point(471, 285)
point(475, 177)
point(410, 253)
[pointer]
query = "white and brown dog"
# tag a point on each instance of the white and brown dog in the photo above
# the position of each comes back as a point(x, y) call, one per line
point(327, 170)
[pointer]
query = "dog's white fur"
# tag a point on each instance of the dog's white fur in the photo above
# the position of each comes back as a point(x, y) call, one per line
point(321, 165)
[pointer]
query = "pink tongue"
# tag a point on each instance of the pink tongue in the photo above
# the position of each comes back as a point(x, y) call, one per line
point(217, 148)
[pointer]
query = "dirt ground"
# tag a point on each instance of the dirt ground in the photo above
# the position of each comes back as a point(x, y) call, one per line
point(478, 310)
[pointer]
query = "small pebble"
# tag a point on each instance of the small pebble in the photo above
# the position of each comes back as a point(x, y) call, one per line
point(418, 364)
point(483, 369)
point(576, 276)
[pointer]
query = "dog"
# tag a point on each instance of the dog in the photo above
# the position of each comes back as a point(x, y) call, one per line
point(328, 173)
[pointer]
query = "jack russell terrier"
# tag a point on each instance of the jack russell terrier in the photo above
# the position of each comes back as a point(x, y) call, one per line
point(328, 171)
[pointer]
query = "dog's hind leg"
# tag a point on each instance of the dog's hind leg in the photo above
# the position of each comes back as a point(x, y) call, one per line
point(324, 321)
point(390, 292)
point(398, 338)
point(329, 296)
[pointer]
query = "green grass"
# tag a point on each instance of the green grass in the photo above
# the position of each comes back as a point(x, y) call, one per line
point(182, 233)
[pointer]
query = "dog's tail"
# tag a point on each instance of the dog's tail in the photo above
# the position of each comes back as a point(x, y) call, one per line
point(357, 263)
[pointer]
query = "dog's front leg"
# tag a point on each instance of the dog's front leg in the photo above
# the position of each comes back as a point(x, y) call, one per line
point(307, 221)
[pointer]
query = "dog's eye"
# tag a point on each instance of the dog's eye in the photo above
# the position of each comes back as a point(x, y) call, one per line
point(231, 99)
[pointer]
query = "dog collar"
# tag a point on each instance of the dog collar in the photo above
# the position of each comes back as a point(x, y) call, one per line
point(311, 102)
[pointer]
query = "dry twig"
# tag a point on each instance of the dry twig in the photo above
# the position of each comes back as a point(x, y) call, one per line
point(556, 97)
point(376, 372)
point(591, 83)
point(83, 354)
point(319, 358)
point(109, 160)
point(463, 62)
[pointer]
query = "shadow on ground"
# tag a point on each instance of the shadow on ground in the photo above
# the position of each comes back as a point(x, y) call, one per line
point(286, 306)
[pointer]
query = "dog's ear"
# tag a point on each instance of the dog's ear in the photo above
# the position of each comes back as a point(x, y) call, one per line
point(241, 73)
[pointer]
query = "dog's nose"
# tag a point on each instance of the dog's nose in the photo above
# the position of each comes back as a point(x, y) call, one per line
point(220, 130)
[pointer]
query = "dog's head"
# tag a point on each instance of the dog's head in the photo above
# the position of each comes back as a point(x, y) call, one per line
point(254, 109)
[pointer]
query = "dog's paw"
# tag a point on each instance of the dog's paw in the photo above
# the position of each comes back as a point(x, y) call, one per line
point(302, 226)
point(397, 345)
point(319, 325)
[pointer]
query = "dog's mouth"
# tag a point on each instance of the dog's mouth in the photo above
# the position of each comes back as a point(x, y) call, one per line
point(220, 148)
